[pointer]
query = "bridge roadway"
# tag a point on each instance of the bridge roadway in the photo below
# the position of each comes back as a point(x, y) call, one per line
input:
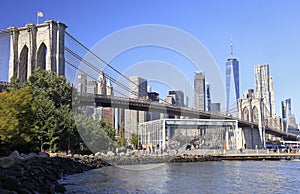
point(146, 105)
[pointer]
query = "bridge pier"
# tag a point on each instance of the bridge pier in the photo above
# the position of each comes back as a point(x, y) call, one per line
point(250, 137)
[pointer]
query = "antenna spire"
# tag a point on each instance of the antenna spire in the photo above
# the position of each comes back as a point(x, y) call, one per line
point(231, 48)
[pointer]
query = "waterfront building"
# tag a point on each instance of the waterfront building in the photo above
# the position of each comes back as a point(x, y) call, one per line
point(232, 82)
point(199, 91)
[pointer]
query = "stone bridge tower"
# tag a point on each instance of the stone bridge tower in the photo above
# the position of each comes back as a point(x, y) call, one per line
point(37, 45)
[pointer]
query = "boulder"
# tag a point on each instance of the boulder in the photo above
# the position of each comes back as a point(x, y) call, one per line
point(24, 156)
point(6, 162)
point(32, 155)
point(44, 155)
point(76, 156)
point(110, 153)
point(14, 154)
point(98, 154)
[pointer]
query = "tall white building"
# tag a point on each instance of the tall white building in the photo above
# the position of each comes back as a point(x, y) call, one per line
point(264, 89)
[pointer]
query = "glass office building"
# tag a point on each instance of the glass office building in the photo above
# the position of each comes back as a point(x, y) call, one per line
point(232, 84)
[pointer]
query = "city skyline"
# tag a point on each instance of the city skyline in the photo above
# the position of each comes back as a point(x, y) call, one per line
point(263, 32)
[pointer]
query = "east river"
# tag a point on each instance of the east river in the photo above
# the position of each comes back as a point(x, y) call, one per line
point(202, 177)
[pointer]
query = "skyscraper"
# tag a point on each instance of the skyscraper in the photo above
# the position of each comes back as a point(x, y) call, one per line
point(199, 91)
point(178, 96)
point(265, 89)
point(138, 89)
point(232, 81)
point(82, 83)
point(154, 97)
point(109, 112)
point(286, 109)
point(208, 96)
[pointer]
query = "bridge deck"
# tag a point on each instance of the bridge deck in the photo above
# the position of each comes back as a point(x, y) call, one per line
point(144, 105)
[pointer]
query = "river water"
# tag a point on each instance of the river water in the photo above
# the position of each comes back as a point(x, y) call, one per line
point(202, 177)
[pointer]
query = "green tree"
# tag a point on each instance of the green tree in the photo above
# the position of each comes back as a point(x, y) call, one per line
point(51, 86)
point(39, 112)
point(93, 134)
point(109, 130)
point(134, 140)
point(54, 119)
point(16, 118)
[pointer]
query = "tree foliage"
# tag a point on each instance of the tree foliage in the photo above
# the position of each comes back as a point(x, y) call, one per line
point(16, 118)
point(109, 130)
point(38, 113)
point(134, 140)
point(94, 133)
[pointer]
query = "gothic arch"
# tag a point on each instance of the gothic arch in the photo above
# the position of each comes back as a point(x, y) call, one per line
point(41, 56)
point(255, 114)
point(23, 64)
point(246, 114)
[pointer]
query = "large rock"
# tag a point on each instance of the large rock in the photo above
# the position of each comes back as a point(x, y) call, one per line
point(38, 173)
point(98, 154)
point(32, 155)
point(24, 156)
point(43, 155)
point(110, 153)
point(14, 154)
point(6, 162)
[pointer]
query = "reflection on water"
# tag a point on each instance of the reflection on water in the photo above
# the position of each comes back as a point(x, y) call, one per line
point(206, 177)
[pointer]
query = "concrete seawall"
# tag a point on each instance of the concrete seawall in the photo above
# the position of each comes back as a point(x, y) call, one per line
point(259, 156)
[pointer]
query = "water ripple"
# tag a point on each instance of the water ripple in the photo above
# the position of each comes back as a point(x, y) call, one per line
point(208, 177)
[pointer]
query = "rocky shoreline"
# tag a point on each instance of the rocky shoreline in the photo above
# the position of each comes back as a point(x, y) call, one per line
point(39, 173)
point(133, 159)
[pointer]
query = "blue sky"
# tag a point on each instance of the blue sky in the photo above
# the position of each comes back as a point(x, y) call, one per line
point(263, 32)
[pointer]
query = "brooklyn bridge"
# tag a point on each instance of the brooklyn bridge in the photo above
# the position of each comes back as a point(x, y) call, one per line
point(50, 47)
